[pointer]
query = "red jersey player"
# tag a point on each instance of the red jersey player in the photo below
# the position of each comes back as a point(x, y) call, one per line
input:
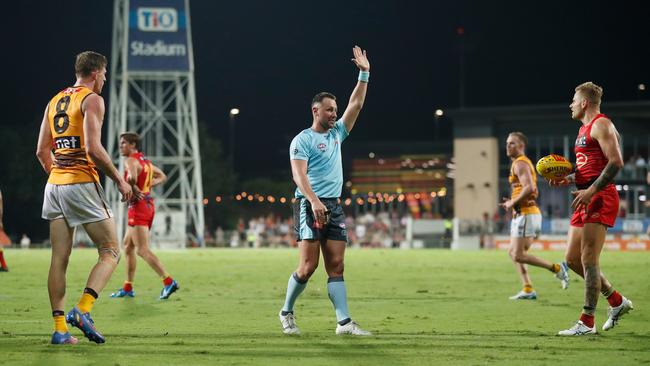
point(4, 240)
point(142, 175)
point(595, 204)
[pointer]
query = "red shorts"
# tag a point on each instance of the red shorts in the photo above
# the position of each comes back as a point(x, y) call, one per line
point(603, 209)
point(141, 213)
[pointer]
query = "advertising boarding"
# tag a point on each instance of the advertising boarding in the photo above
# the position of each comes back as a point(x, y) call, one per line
point(158, 36)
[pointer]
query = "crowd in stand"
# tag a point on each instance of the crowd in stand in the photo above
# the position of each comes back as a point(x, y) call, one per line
point(636, 167)
point(381, 230)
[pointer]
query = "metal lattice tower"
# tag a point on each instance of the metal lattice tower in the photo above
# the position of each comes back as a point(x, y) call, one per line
point(160, 105)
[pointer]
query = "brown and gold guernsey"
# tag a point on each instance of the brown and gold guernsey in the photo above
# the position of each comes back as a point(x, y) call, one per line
point(526, 206)
point(71, 162)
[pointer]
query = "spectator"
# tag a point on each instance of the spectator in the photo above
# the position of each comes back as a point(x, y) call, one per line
point(383, 229)
point(25, 241)
point(241, 229)
point(219, 236)
point(360, 232)
point(628, 167)
point(647, 202)
point(234, 239)
point(449, 227)
point(486, 238)
point(640, 162)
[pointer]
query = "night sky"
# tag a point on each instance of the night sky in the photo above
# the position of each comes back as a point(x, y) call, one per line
point(270, 58)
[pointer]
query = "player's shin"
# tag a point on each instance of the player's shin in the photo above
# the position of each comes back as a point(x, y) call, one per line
point(592, 289)
point(338, 296)
point(109, 257)
point(295, 287)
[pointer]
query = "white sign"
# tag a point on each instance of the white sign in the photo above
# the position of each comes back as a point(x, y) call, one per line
point(633, 226)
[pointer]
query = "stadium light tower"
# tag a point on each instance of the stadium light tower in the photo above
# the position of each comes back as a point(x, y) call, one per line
point(152, 93)
point(438, 114)
point(232, 115)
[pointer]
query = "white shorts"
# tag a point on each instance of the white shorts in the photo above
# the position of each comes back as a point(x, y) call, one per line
point(78, 203)
point(526, 226)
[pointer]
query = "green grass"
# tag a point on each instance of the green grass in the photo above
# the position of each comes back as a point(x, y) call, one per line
point(424, 306)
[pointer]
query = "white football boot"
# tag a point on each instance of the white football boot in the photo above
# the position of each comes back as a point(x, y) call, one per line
point(289, 324)
point(614, 314)
point(523, 295)
point(351, 328)
point(563, 275)
point(577, 330)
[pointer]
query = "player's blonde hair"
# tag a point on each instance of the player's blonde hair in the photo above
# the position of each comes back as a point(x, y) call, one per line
point(520, 136)
point(592, 92)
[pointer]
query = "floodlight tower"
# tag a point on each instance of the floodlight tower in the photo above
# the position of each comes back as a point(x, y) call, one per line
point(152, 93)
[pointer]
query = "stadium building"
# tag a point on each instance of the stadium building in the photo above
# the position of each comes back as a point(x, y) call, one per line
point(465, 176)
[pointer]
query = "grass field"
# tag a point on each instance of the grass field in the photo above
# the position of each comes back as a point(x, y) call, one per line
point(424, 306)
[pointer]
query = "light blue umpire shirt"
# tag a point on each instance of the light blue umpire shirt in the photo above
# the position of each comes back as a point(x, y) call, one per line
point(323, 154)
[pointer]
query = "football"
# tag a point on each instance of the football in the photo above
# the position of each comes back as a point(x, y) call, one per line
point(554, 167)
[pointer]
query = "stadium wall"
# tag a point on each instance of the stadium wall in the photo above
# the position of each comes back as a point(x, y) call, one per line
point(477, 175)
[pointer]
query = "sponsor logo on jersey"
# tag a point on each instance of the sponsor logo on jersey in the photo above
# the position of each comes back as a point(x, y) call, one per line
point(322, 147)
point(71, 90)
point(581, 141)
point(581, 159)
point(67, 142)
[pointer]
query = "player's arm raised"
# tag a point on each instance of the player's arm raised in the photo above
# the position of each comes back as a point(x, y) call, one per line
point(605, 133)
point(299, 173)
point(93, 108)
point(359, 93)
point(159, 176)
point(44, 145)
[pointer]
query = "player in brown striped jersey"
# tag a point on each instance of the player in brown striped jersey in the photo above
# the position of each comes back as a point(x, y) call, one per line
point(69, 149)
point(526, 218)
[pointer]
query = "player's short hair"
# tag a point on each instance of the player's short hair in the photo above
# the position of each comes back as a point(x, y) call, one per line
point(320, 96)
point(131, 138)
point(592, 92)
point(89, 61)
point(520, 136)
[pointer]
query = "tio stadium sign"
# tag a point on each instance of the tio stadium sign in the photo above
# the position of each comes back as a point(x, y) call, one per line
point(157, 19)
point(158, 36)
